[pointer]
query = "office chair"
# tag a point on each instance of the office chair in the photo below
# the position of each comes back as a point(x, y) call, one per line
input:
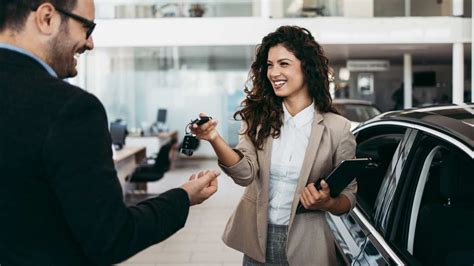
point(153, 172)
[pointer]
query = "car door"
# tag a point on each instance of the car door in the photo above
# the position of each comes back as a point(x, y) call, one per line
point(438, 200)
point(357, 234)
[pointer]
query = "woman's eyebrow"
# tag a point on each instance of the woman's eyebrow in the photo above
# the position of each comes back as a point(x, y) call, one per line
point(280, 60)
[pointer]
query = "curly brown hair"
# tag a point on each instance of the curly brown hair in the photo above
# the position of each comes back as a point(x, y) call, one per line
point(261, 109)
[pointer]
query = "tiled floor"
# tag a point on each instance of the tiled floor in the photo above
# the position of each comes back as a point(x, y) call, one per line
point(199, 242)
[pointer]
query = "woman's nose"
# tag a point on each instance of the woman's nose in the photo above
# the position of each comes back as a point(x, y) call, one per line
point(274, 72)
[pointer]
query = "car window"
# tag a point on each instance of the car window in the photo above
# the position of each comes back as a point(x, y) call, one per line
point(385, 200)
point(380, 148)
point(443, 215)
point(426, 223)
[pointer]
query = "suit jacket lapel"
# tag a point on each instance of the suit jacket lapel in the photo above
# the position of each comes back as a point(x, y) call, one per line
point(264, 157)
point(314, 140)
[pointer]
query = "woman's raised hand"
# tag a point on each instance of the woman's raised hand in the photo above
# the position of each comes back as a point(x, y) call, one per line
point(207, 131)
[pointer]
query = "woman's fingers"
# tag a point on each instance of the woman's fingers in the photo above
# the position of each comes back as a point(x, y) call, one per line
point(304, 201)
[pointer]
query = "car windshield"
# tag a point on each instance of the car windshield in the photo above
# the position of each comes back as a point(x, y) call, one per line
point(357, 112)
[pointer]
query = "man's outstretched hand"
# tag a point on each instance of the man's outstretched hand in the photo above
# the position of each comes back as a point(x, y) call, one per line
point(201, 186)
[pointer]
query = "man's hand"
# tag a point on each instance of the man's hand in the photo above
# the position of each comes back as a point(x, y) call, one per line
point(313, 199)
point(201, 186)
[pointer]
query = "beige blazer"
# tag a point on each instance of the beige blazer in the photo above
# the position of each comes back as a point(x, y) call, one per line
point(309, 238)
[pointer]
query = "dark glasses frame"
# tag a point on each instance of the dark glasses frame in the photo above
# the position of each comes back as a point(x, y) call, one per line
point(89, 24)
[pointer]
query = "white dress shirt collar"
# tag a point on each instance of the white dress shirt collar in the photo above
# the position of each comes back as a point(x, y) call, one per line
point(302, 118)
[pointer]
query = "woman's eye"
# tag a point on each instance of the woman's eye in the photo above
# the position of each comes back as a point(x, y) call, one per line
point(284, 64)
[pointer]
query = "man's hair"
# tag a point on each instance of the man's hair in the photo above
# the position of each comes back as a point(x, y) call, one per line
point(13, 13)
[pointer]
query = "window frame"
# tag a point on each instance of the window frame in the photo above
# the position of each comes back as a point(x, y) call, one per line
point(376, 133)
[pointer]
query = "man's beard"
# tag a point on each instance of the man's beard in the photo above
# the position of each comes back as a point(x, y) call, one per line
point(60, 55)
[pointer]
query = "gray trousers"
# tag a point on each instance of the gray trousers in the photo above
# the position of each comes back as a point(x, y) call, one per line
point(276, 248)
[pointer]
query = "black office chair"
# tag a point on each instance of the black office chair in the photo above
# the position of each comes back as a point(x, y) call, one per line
point(153, 172)
point(444, 234)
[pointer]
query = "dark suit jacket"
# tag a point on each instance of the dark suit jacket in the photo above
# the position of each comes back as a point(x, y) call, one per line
point(60, 200)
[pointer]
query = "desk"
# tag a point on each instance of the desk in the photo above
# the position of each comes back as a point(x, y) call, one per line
point(152, 143)
point(126, 160)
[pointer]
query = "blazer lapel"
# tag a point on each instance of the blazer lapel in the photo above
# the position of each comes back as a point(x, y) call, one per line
point(264, 157)
point(314, 140)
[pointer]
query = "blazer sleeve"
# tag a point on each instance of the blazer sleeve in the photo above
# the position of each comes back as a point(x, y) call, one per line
point(78, 161)
point(346, 150)
point(246, 170)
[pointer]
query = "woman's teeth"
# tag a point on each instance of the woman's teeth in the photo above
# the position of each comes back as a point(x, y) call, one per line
point(279, 83)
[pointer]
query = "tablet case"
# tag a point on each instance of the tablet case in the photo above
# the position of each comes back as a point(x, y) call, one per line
point(341, 176)
point(344, 173)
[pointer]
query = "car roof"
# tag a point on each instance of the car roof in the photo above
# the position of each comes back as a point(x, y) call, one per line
point(454, 120)
point(351, 101)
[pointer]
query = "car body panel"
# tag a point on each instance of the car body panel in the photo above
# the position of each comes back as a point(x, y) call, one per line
point(367, 239)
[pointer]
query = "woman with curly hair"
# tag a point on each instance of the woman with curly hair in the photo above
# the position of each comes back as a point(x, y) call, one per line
point(290, 137)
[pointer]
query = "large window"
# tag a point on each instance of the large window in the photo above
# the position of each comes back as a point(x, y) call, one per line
point(218, 8)
point(111, 9)
point(133, 83)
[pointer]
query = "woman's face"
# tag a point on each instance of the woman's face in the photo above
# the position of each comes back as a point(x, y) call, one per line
point(285, 74)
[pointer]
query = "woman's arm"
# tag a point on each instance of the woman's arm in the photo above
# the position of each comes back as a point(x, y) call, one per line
point(208, 131)
point(314, 199)
point(226, 155)
point(241, 163)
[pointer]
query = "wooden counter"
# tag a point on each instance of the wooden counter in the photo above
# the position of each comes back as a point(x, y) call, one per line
point(126, 160)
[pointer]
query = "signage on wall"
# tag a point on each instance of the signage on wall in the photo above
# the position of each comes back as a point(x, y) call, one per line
point(368, 65)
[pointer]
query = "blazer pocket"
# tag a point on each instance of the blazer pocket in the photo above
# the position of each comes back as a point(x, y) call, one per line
point(241, 231)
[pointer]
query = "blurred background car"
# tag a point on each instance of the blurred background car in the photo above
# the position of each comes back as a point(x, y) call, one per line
point(356, 111)
point(416, 207)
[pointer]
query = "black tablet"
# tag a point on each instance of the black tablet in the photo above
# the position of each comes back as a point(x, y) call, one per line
point(344, 173)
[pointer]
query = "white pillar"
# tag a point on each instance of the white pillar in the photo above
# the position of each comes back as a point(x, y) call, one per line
point(277, 9)
point(407, 82)
point(458, 8)
point(458, 73)
point(407, 8)
point(256, 7)
point(265, 8)
point(175, 52)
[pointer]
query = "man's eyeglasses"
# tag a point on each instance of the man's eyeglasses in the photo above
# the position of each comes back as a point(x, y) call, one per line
point(89, 24)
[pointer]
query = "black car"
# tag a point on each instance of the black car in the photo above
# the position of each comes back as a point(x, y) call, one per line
point(356, 111)
point(416, 206)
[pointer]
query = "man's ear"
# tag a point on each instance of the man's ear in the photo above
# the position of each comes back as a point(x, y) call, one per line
point(47, 19)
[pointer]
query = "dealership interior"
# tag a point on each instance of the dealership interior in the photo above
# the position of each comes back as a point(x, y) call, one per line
point(158, 64)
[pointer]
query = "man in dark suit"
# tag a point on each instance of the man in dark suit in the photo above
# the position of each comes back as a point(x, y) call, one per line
point(60, 199)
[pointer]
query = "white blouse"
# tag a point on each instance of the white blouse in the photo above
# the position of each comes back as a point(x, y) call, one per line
point(288, 152)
